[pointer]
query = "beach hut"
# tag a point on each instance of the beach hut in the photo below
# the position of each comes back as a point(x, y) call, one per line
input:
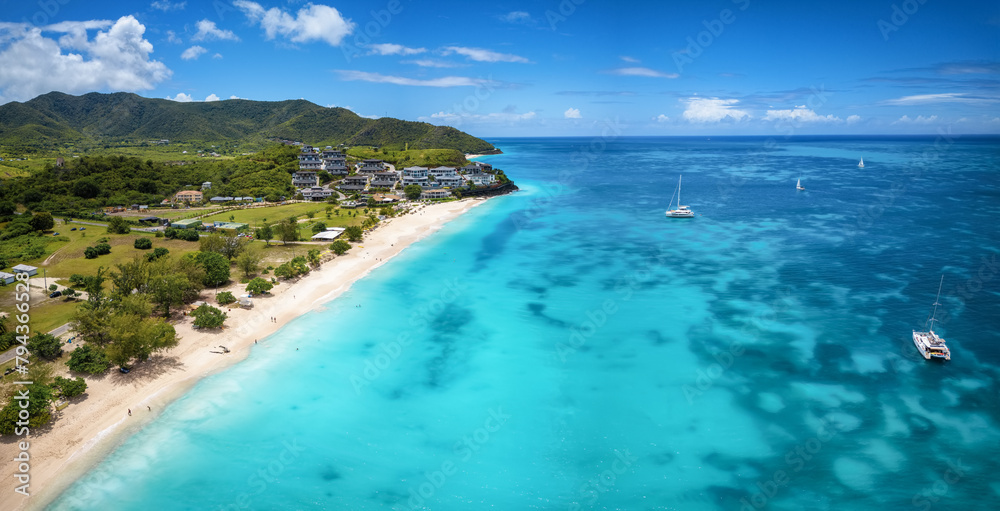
point(245, 301)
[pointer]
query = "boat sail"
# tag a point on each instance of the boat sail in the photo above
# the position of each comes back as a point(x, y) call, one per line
point(929, 343)
point(861, 163)
point(681, 211)
point(798, 185)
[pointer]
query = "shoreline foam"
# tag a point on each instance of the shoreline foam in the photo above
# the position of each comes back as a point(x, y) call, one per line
point(90, 429)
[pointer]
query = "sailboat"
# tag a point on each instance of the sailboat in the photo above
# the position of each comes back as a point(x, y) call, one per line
point(929, 343)
point(862, 163)
point(681, 211)
point(798, 185)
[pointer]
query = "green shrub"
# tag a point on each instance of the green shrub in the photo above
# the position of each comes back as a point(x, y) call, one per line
point(226, 298)
point(88, 359)
point(90, 253)
point(143, 243)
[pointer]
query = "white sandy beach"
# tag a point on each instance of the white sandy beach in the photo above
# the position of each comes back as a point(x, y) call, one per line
point(87, 430)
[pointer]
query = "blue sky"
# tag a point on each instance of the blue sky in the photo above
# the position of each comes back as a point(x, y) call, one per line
point(559, 67)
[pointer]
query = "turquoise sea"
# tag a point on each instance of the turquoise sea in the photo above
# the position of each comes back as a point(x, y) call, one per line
point(569, 347)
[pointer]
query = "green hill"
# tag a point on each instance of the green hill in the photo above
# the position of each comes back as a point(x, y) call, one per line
point(55, 119)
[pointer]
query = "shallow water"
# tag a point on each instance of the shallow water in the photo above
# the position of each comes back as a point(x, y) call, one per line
point(568, 347)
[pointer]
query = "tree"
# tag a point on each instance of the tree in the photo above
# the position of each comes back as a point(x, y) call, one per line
point(93, 284)
point(339, 247)
point(131, 277)
point(207, 316)
point(42, 221)
point(249, 261)
point(354, 233)
point(38, 410)
point(69, 388)
point(311, 214)
point(86, 188)
point(265, 233)
point(168, 290)
point(46, 346)
point(216, 268)
point(313, 257)
point(143, 243)
point(287, 230)
point(413, 191)
point(69, 292)
point(259, 286)
point(225, 298)
point(318, 227)
point(137, 338)
point(53, 287)
point(157, 253)
point(118, 225)
point(7, 208)
point(102, 248)
point(88, 359)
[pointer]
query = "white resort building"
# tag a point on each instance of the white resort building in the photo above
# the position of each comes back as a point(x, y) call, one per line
point(415, 176)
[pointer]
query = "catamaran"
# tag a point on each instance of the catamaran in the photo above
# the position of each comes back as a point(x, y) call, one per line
point(681, 211)
point(861, 163)
point(929, 343)
point(798, 185)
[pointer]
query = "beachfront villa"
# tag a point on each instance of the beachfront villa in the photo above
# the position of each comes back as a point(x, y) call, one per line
point(442, 171)
point(354, 183)
point(316, 193)
point(435, 194)
point(454, 181)
point(387, 179)
point(479, 174)
point(371, 166)
point(415, 176)
point(305, 179)
point(189, 196)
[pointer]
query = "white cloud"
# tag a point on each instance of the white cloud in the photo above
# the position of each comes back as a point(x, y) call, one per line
point(799, 114)
point(713, 110)
point(172, 37)
point(212, 97)
point(431, 63)
point(661, 118)
point(919, 120)
point(630, 60)
point(947, 97)
point(165, 5)
point(217, 56)
point(517, 17)
point(311, 23)
point(208, 31)
point(495, 117)
point(235, 97)
point(853, 119)
point(572, 113)
point(393, 49)
point(181, 98)
point(447, 81)
point(642, 71)
point(117, 58)
point(193, 53)
point(483, 55)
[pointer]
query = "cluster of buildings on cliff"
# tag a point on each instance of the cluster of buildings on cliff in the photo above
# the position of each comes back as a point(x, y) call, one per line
point(375, 175)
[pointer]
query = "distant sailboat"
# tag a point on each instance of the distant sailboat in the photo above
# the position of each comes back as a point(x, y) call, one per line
point(861, 163)
point(798, 185)
point(681, 211)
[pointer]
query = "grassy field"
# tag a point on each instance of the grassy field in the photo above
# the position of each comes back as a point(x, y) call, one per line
point(69, 259)
point(258, 216)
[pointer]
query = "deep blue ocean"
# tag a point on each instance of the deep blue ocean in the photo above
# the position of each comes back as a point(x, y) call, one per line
point(569, 347)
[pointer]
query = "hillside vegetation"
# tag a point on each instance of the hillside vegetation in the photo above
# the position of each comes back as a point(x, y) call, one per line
point(55, 119)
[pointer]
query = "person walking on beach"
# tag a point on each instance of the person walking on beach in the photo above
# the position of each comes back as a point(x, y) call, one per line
point(129, 412)
point(148, 408)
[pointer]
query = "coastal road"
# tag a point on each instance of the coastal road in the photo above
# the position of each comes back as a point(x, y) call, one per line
point(9, 355)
